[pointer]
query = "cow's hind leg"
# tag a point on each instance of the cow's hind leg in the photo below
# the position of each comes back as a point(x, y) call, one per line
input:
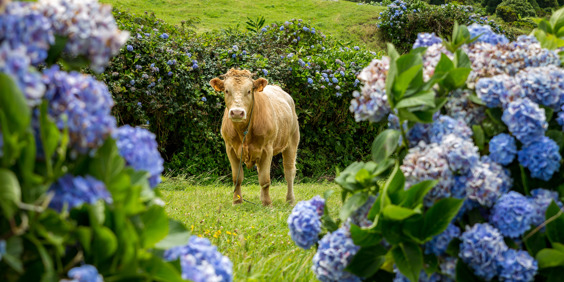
point(289, 159)
point(264, 177)
point(236, 166)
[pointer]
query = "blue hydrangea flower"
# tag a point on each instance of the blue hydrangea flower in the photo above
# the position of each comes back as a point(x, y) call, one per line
point(486, 34)
point(2, 248)
point(517, 265)
point(359, 217)
point(129, 48)
point(281, 28)
point(461, 108)
point(305, 222)
point(335, 80)
point(16, 64)
point(164, 36)
point(372, 103)
point(201, 262)
point(86, 103)
point(481, 248)
point(74, 191)
point(169, 73)
point(334, 254)
point(132, 82)
point(419, 132)
point(265, 72)
point(448, 267)
point(503, 148)
point(525, 120)
point(541, 199)
point(309, 80)
point(541, 157)
point(543, 85)
point(204, 99)
point(138, 147)
point(445, 125)
point(461, 153)
point(512, 214)
point(425, 39)
point(490, 89)
point(486, 182)
point(438, 245)
point(85, 273)
point(423, 277)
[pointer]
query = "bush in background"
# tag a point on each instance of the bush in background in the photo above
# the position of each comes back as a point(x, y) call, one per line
point(161, 80)
point(521, 7)
point(506, 13)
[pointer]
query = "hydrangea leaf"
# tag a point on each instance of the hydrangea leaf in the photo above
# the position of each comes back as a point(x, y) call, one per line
point(155, 223)
point(555, 227)
point(352, 204)
point(423, 98)
point(178, 235)
point(161, 270)
point(13, 105)
point(409, 259)
point(438, 217)
point(14, 250)
point(363, 237)
point(464, 274)
point(367, 261)
point(478, 136)
point(443, 66)
point(385, 145)
point(397, 213)
point(104, 243)
point(10, 192)
point(414, 196)
point(550, 258)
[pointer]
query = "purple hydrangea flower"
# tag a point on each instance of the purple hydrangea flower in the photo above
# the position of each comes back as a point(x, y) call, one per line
point(512, 214)
point(200, 261)
point(461, 153)
point(503, 149)
point(425, 39)
point(85, 273)
point(481, 248)
point(445, 125)
point(525, 120)
point(541, 199)
point(72, 191)
point(334, 254)
point(305, 222)
point(138, 147)
point(438, 245)
point(541, 157)
point(486, 34)
point(85, 102)
point(517, 265)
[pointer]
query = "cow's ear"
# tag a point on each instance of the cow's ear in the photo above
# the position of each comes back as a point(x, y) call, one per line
point(217, 84)
point(259, 84)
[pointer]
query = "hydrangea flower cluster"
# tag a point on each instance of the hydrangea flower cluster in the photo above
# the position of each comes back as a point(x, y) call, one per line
point(525, 120)
point(335, 252)
point(89, 26)
point(543, 85)
point(517, 265)
point(481, 247)
point(201, 262)
point(461, 153)
point(425, 39)
point(85, 273)
point(16, 63)
point(503, 149)
point(445, 125)
point(438, 245)
point(138, 147)
point(359, 217)
point(372, 103)
point(305, 222)
point(461, 108)
point(2, 248)
point(541, 157)
point(423, 277)
point(512, 214)
point(486, 34)
point(485, 182)
point(72, 191)
point(541, 199)
point(85, 102)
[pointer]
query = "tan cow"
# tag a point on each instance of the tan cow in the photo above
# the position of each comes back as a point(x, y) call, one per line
point(273, 129)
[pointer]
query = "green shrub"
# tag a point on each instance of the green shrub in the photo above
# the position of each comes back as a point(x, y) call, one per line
point(490, 5)
point(521, 7)
point(174, 99)
point(400, 25)
point(506, 13)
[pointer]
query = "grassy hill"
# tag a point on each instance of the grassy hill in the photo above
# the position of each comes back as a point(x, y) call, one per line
point(343, 19)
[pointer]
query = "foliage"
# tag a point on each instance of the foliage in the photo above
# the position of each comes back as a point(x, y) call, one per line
point(164, 84)
point(75, 201)
point(403, 20)
point(506, 13)
point(548, 3)
point(455, 109)
point(522, 7)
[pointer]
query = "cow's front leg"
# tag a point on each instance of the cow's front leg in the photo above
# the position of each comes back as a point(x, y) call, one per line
point(235, 167)
point(264, 176)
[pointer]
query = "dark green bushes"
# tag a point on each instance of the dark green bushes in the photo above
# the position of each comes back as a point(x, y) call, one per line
point(162, 81)
point(506, 13)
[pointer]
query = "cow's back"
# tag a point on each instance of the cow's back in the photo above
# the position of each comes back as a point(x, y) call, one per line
point(283, 114)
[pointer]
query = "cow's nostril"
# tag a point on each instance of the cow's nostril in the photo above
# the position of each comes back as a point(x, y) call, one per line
point(237, 113)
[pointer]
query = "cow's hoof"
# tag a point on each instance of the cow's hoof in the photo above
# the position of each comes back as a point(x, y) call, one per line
point(267, 203)
point(290, 201)
point(236, 202)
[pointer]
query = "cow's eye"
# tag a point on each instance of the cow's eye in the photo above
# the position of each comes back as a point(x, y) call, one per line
point(226, 91)
point(249, 92)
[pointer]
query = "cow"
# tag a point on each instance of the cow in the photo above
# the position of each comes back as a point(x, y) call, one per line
point(270, 116)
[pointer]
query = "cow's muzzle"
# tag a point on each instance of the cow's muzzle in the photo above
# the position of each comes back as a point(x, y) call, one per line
point(237, 114)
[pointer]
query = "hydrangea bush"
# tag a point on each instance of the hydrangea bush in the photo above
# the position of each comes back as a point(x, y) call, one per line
point(467, 178)
point(78, 194)
point(151, 77)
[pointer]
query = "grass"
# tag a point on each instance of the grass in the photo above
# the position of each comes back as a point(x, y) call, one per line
point(345, 20)
point(254, 237)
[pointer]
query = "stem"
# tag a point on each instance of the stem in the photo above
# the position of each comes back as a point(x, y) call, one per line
point(403, 134)
point(551, 219)
point(524, 180)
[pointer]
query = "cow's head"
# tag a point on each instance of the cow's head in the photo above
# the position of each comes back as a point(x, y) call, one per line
point(238, 87)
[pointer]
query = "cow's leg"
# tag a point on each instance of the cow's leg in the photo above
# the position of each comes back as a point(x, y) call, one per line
point(289, 160)
point(264, 177)
point(235, 167)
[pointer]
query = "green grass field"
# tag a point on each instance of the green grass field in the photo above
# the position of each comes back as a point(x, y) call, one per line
point(254, 237)
point(343, 19)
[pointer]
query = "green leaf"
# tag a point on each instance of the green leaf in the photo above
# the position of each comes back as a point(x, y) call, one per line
point(397, 213)
point(347, 178)
point(156, 223)
point(444, 65)
point(178, 235)
point(557, 136)
point(409, 259)
point(465, 274)
point(84, 236)
point(367, 261)
point(404, 79)
point(14, 250)
point(385, 144)
point(10, 192)
point(161, 270)
point(56, 49)
point(425, 116)
point(415, 194)
point(536, 242)
point(424, 98)
point(476, 100)
point(363, 237)
point(478, 136)
point(462, 60)
point(395, 184)
point(550, 258)
point(14, 105)
point(438, 217)
point(104, 243)
point(352, 204)
point(456, 78)
point(555, 227)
